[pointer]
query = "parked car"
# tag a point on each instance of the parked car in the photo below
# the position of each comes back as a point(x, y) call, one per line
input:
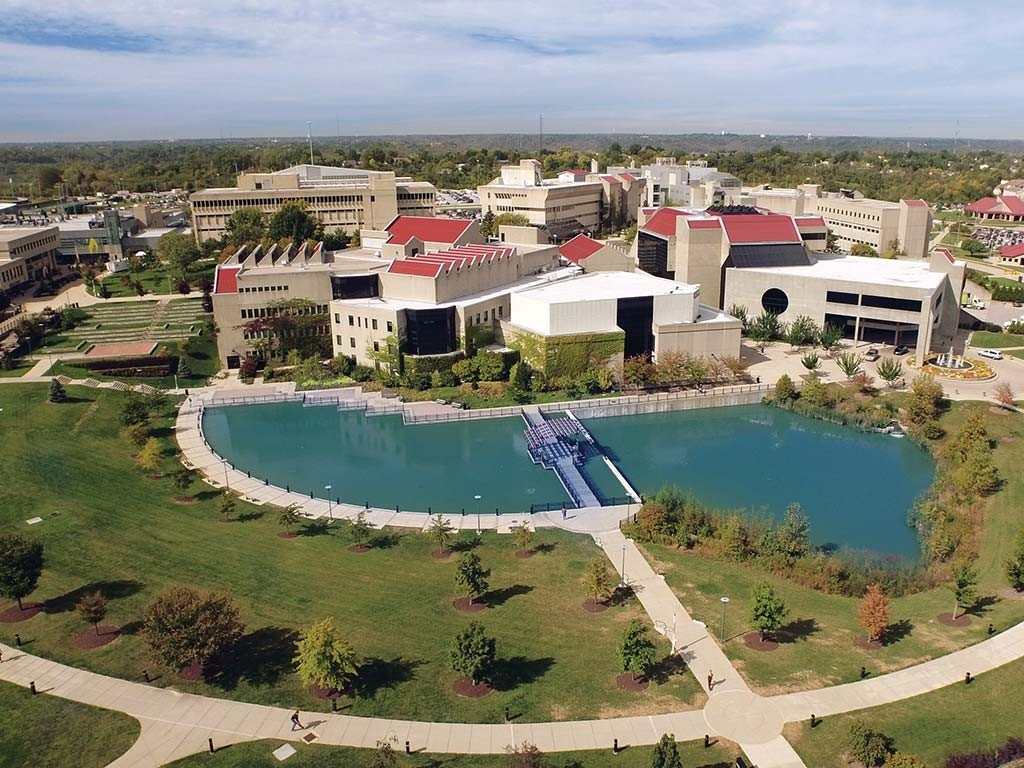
point(871, 355)
point(902, 349)
point(1018, 303)
point(991, 354)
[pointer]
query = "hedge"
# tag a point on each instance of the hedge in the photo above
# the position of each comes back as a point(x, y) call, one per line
point(429, 363)
point(146, 367)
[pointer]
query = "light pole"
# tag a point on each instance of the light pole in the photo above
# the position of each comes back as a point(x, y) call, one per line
point(624, 562)
point(725, 602)
point(309, 135)
point(227, 485)
point(330, 514)
point(477, 499)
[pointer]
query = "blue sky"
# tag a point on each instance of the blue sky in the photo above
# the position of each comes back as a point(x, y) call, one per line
point(194, 68)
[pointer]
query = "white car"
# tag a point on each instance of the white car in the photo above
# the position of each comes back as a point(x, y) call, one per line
point(992, 354)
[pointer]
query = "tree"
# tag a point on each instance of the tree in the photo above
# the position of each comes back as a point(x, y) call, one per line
point(440, 532)
point(869, 747)
point(150, 458)
point(863, 249)
point(360, 529)
point(525, 755)
point(184, 626)
point(184, 371)
point(226, 505)
point(1005, 395)
point(811, 362)
point(1014, 567)
point(57, 392)
point(874, 614)
point(784, 388)
point(245, 225)
point(180, 251)
point(974, 247)
point(802, 331)
point(964, 586)
point(831, 242)
point(134, 409)
point(470, 576)
point(472, 652)
point(902, 760)
point(522, 536)
point(925, 399)
point(183, 479)
point(293, 222)
point(597, 580)
point(890, 370)
point(765, 327)
point(666, 753)
point(384, 756)
point(849, 364)
point(509, 220)
point(766, 609)
point(487, 225)
point(136, 434)
point(21, 565)
point(324, 659)
point(636, 651)
point(289, 517)
point(741, 313)
point(92, 609)
point(794, 533)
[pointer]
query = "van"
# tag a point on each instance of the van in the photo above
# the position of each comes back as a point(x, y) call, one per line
point(991, 354)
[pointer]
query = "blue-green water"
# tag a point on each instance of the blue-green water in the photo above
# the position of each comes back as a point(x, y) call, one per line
point(856, 488)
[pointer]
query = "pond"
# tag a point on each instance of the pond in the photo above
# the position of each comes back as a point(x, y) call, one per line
point(856, 488)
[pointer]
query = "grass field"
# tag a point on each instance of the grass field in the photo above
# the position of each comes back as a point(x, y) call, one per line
point(822, 628)
point(989, 340)
point(48, 732)
point(21, 367)
point(257, 755)
point(202, 359)
point(959, 718)
point(107, 526)
point(159, 281)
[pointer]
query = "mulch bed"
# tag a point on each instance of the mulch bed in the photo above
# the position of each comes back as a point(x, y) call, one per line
point(627, 682)
point(325, 694)
point(1009, 593)
point(1008, 439)
point(441, 554)
point(594, 606)
point(287, 535)
point(523, 554)
point(193, 672)
point(463, 604)
point(963, 620)
point(998, 411)
point(184, 500)
point(463, 686)
point(359, 549)
point(87, 639)
point(754, 642)
point(868, 645)
point(14, 614)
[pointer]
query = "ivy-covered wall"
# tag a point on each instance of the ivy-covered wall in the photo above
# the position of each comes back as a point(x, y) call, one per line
point(430, 363)
point(568, 355)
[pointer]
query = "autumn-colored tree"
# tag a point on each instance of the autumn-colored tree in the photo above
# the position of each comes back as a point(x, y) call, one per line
point(874, 613)
point(92, 608)
point(1005, 395)
point(323, 658)
point(150, 457)
point(440, 532)
point(597, 580)
point(184, 626)
point(522, 536)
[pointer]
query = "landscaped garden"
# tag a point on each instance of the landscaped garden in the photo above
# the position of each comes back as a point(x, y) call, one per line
point(109, 527)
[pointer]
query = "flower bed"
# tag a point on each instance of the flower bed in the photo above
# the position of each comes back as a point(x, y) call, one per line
point(979, 371)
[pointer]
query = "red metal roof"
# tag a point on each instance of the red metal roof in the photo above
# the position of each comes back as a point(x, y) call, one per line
point(580, 248)
point(627, 176)
point(418, 267)
point(610, 180)
point(664, 221)
point(757, 228)
point(694, 223)
point(809, 221)
point(916, 203)
point(427, 229)
point(432, 264)
point(1012, 251)
point(1002, 204)
point(225, 280)
point(945, 252)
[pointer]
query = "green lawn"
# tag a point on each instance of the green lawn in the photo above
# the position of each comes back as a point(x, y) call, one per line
point(989, 340)
point(958, 718)
point(823, 627)
point(257, 755)
point(202, 359)
point(107, 525)
point(21, 367)
point(48, 732)
point(155, 280)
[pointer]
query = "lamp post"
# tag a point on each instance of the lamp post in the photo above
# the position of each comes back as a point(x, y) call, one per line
point(725, 602)
point(227, 485)
point(477, 499)
point(624, 562)
point(327, 488)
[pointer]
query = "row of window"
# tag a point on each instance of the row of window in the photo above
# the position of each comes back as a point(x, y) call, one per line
point(488, 314)
point(262, 288)
point(252, 313)
point(267, 202)
point(869, 300)
point(352, 343)
point(852, 214)
point(14, 274)
point(288, 333)
point(50, 241)
point(364, 322)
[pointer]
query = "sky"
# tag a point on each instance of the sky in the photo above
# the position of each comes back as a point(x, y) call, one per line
point(82, 70)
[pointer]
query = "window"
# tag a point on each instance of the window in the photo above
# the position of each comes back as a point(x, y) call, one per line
point(485, 315)
point(351, 320)
point(390, 327)
point(376, 347)
point(337, 318)
point(359, 322)
point(841, 297)
point(352, 342)
point(775, 301)
point(478, 318)
point(338, 341)
point(888, 302)
point(501, 311)
point(374, 322)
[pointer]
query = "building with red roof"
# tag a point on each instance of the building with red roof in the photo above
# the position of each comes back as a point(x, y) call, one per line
point(1000, 208)
point(1012, 254)
point(594, 256)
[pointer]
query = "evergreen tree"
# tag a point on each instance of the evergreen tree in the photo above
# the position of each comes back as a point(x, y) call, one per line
point(666, 753)
point(57, 392)
point(470, 575)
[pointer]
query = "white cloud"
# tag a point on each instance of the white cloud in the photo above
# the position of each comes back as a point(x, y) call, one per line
point(249, 68)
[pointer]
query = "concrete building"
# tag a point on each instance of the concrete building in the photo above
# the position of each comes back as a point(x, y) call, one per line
point(344, 199)
point(691, 184)
point(26, 254)
point(851, 217)
point(594, 256)
point(573, 202)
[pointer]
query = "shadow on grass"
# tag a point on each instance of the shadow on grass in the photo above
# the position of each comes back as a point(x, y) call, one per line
point(380, 674)
point(206, 495)
point(112, 590)
point(246, 517)
point(315, 528)
point(465, 545)
point(546, 548)
point(497, 597)
point(798, 629)
point(161, 432)
point(661, 671)
point(518, 670)
point(384, 540)
point(897, 631)
point(131, 628)
point(620, 596)
point(259, 658)
point(982, 605)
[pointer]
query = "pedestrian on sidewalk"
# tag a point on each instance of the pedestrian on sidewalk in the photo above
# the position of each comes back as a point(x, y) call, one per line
point(711, 680)
point(295, 721)
point(563, 511)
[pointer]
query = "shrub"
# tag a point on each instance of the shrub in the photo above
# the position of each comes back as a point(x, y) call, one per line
point(57, 393)
point(869, 747)
point(361, 373)
point(1012, 749)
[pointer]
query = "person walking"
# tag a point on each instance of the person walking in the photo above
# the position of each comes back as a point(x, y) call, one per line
point(295, 721)
point(711, 680)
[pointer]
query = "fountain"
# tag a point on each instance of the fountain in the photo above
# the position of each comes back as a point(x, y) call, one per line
point(947, 361)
